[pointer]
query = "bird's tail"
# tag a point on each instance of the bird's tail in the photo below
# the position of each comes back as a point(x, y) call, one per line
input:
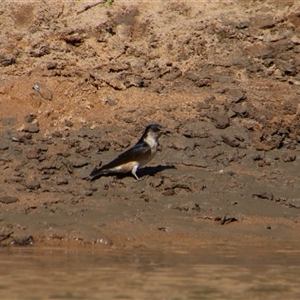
point(95, 174)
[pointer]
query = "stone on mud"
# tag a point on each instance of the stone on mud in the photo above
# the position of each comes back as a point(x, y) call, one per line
point(43, 90)
point(221, 121)
point(3, 144)
point(182, 143)
point(33, 184)
point(229, 140)
point(33, 153)
point(77, 161)
point(62, 181)
point(202, 105)
point(235, 96)
point(241, 110)
point(32, 128)
point(289, 156)
point(30, 118)
point(8, 199)
point(195, 162)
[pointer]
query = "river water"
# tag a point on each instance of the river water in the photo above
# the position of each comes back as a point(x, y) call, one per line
point(208, 273)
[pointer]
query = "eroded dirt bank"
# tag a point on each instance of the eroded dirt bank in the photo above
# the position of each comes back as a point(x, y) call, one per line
point(78, 85)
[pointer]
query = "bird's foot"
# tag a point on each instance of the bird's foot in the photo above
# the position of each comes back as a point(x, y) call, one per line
point(143, 178)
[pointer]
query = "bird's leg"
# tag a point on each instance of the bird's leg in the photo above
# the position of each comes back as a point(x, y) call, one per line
point(133, 171)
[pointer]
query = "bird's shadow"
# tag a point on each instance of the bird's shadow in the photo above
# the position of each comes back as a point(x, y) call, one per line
point(151, 171)
point(146, 171)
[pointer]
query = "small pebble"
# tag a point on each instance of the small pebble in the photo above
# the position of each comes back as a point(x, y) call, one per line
point(30, 118)
point(68, 123)
point(8, 199)
point(111, 102)
point(32, 128)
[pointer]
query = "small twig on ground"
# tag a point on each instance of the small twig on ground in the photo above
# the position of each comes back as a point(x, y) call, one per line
point(90, 6)
point(5, 236)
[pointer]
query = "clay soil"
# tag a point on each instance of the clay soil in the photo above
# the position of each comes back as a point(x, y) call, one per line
point(80, 80)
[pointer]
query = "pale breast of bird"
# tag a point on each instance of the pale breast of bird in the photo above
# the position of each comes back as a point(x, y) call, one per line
point(152, 143)
point(153, 146)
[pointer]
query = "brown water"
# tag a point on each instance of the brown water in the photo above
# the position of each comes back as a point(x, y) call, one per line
point(219, 273)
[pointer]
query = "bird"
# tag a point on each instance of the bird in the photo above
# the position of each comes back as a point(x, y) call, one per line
point(135, 157)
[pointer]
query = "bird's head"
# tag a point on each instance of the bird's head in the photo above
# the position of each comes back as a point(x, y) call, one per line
point(153, 131)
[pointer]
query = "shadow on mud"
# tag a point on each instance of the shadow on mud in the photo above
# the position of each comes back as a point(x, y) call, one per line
point(151, 171)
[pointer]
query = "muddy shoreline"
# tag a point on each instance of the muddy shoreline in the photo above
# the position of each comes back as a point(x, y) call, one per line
point(79, 86)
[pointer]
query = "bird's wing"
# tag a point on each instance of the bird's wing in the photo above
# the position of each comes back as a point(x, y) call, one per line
point(138, 152)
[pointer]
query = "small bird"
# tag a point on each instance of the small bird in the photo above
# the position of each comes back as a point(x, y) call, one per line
point(137, 156)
